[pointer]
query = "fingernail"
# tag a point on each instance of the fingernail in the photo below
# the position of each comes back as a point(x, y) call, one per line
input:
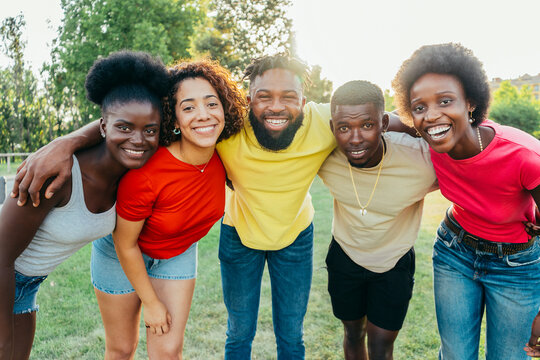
point(12, 194)
point(19, 202)
point(35, 204)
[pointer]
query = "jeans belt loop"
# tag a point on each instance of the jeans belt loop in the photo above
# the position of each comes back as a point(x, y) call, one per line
point(499, 250)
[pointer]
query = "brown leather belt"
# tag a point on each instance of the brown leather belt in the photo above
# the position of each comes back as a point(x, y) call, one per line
point(480, 244)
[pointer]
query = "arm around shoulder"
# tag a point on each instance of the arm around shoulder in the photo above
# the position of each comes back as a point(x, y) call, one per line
point(54, 160)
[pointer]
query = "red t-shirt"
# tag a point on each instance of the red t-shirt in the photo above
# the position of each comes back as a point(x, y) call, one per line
point(491, 191)
point(180, 204)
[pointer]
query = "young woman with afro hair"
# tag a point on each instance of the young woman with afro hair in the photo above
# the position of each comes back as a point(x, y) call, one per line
point(34, 240)
point(486, 256)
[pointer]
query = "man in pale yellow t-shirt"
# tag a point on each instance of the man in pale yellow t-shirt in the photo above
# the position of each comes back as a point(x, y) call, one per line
point(378, 181)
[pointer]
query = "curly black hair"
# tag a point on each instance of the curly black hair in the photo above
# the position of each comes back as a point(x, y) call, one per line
point(357, 92)
point(259, 66)
point(451, 59)
point(126, 76)
point(232, 98)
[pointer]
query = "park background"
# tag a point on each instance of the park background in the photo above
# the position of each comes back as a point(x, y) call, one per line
point(47, 47)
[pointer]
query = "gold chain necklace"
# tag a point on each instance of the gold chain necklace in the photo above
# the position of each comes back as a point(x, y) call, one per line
point(363, 209)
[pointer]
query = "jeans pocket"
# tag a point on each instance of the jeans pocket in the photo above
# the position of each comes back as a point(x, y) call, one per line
point(526, 257)
point(445, 235)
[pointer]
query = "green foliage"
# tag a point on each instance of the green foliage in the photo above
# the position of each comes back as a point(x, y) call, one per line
point(516, 108)
point(94, 28)
point(239, 30)
point(388, 101)
point(21, 104)
point(320, 89)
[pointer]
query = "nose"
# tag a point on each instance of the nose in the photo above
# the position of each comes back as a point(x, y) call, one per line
point(276, 105)
point(137, 138)
point(203, 114)
point(356, 137)
point(431, 114)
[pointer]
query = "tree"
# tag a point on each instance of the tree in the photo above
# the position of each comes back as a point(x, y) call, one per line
point(320, 89)
point(516, 108)
point(93, 28)
point(21, 128)
point(238, 30)
point(388, 101)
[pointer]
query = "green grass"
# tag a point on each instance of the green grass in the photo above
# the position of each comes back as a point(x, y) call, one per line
point(13, 167)
point(69, 325)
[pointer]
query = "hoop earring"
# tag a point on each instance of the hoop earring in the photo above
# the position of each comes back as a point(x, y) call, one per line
point(176, 131)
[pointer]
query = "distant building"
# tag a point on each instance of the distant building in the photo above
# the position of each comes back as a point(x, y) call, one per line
point(532, 81)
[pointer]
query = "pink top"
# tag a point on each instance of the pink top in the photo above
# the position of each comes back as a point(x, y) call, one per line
point(490, 191)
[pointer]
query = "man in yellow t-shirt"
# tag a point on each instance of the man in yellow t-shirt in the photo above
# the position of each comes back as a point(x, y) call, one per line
point(271, 164)
point(378, 181)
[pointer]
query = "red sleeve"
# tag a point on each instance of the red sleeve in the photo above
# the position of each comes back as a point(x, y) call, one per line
point(135, 198)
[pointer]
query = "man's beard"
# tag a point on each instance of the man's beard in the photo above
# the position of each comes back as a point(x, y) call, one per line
point(283, 140)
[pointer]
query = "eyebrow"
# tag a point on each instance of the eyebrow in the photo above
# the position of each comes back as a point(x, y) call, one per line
point(130, 123)
point(193, 99)
point(437, 93)
point(284, 91)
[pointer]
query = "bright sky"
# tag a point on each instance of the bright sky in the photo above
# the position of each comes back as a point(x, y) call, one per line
point(369, 39)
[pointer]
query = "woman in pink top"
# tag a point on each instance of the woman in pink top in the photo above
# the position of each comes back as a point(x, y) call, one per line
point(487, 253)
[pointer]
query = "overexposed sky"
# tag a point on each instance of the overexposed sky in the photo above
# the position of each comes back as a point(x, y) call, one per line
point(361, 39)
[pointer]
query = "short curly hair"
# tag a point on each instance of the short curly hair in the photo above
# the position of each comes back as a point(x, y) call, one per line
point(126, 76)
point(259, 66)
point(231, 97)
point(451, 59)
point(357, 92)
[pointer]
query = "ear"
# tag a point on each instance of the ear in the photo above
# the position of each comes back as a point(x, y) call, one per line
point(470, 106)
point(331, 122)
point(303, 101)
point(102, 127)
point(248, 99)
point(385, 122)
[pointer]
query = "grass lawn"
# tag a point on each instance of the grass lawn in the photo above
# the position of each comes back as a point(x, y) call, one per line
point(69, 325)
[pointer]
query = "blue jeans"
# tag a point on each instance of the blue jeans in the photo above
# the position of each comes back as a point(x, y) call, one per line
point(290, 272)
point(468, 282)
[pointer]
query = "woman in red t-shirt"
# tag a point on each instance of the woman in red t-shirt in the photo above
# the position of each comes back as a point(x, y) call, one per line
point(163, 209)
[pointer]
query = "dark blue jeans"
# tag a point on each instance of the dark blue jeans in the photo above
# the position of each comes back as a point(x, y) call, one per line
point(290, 272)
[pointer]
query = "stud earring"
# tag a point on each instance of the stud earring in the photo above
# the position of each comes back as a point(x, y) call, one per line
point(102, 133)
point(176, 131)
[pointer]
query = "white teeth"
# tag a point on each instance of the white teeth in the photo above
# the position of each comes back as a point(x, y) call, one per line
point(134, 152)
point(358, 152)
point(276, 121)
point(438, 129)
point(205, 129)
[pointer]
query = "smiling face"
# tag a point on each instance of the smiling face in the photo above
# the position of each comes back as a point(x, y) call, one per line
point(440, 113)
point(276, 101)
point(199, 113)
point(358, 129)
point(132, 132)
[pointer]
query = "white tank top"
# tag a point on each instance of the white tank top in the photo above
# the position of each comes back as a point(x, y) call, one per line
point(64, 230)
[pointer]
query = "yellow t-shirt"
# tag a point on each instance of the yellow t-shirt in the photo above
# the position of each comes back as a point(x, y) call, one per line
point(378, 239)
point(270, 204)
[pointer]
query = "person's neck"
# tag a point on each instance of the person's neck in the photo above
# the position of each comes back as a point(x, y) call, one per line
point(191, 154)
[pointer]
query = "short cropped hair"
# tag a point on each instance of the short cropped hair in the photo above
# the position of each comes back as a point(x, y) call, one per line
point(449, 59)
point(126, 76)
point(231, 97)
point(259, 66)
point(357, 92)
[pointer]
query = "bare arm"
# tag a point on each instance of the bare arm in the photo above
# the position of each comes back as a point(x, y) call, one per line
point(52, 160)
point(396, 125)
point(18, 226)
point(126, 234)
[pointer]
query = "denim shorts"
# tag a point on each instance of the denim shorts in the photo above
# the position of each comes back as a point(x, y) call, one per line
point(26, 288)
point(108, 276)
